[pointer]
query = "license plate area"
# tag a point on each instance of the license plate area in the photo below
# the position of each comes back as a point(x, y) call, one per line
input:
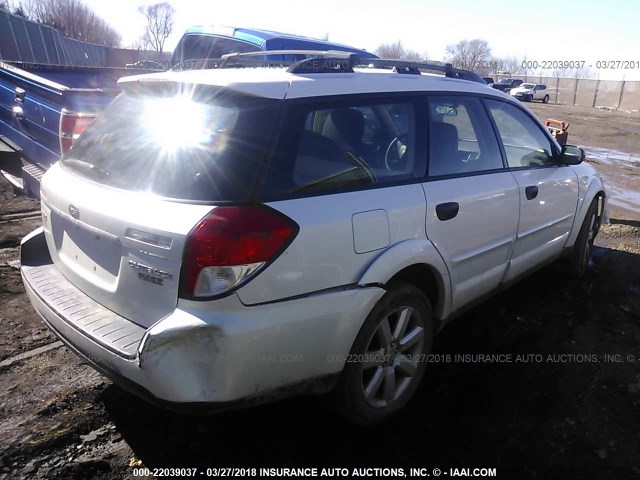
point(88, 251)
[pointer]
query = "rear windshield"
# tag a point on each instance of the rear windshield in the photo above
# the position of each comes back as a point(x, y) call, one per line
point(204, 145)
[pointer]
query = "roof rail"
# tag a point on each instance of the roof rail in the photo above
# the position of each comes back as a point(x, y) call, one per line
point(337, 61)
point(412, 67)
point(231, 62)
point(316, 61)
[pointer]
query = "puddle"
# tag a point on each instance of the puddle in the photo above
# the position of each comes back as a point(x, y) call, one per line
point(623, 197)
point(618, 183)
point(611, 157)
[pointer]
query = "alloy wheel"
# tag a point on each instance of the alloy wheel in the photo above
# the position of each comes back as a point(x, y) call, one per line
point(392, 356)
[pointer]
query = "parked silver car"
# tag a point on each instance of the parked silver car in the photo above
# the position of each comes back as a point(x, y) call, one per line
point(230, 236)
point(529, 92)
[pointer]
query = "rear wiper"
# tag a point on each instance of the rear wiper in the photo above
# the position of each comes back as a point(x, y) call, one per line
point(96, 172)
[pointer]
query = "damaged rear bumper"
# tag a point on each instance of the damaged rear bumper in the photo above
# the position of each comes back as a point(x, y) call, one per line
point(204, 355)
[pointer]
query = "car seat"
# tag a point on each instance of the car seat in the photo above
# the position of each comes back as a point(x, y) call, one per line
point(444, 158)
point(345, 126)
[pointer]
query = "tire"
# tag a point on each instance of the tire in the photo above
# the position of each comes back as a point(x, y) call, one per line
point(383, 378)
point(545, 99)
point(578, 262)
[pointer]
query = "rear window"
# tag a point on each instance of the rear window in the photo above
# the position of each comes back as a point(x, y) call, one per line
point(207, 145)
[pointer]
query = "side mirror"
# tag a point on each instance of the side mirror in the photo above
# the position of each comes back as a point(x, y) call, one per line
point(572, 155)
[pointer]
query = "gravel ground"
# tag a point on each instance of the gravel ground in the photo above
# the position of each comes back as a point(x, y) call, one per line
point(565, 405)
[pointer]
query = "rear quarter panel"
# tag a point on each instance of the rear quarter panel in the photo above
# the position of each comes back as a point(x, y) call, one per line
point(323, 255)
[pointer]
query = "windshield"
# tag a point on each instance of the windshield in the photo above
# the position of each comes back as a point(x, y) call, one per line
point(528, 86)
point(204, 146)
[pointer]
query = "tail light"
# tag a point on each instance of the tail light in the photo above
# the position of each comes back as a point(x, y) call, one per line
point(71, 126)
point(229, 246)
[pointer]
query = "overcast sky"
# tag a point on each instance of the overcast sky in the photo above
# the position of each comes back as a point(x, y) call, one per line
point(587, 30)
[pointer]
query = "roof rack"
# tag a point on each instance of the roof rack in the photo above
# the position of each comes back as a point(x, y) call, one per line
point(232, 62)
point(337, 61)
point(411, 67)
point(316, 61)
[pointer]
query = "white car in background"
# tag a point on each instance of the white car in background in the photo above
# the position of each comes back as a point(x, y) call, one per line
point(229, 236)
point(528, 92)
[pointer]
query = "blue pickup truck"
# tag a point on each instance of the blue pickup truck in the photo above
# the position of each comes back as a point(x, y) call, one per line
point(44, 108)
point(202, 42)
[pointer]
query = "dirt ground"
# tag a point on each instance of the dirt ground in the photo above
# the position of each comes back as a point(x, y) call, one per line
point(596, 127)
point(614, 138)
point(566, 405)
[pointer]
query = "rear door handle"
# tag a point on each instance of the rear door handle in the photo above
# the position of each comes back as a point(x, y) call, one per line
point(531, 192)
point(447, 211)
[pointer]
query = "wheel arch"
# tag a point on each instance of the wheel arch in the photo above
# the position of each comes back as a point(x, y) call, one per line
point(416, 262)
point(426, 278)
point(595, 192)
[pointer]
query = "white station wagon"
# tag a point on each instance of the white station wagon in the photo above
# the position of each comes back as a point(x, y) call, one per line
point(231, 235)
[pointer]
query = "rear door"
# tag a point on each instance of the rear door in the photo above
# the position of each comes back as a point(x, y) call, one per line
point(472, 200)
point(548, 191)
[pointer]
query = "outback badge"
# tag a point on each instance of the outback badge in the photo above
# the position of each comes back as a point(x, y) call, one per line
point(150, 274)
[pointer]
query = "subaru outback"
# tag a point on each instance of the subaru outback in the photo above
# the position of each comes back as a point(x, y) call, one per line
point(228, 236)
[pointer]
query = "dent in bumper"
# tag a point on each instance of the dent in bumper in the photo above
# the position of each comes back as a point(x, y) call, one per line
point(223, 351)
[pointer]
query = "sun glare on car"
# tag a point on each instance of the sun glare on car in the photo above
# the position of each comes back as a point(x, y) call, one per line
point(180, 122)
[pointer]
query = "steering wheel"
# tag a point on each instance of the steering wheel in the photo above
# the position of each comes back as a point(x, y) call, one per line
point(472, 157)
point(396, 152)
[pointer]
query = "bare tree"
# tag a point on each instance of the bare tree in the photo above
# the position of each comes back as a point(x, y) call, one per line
point(20, 12)
point(10, 7)
point(470, 55)
point(397, 50)
point(141, 44)
point(73, 19)
point(159, 18)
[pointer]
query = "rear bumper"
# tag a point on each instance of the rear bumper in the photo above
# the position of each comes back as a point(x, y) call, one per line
point(204, 354)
